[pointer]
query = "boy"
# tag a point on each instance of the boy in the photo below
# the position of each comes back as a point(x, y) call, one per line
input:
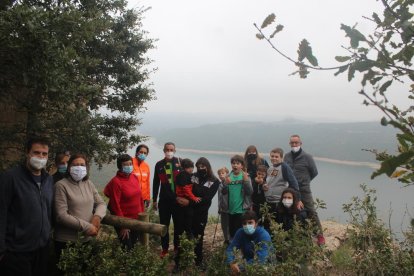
point(258, 196)
point(223, 204)
point(239, 190)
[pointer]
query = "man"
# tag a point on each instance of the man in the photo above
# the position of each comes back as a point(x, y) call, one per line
point(165, 173)
point(251, 239)
point(304, 168)
point(25, 209)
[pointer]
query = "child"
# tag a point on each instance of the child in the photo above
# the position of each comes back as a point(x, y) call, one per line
point(239, 189)
point(184, 189)
point(279, 177)
point(223, 205)
point(258, 196)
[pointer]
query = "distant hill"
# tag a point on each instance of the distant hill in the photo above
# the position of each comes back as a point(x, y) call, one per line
point(343, 141)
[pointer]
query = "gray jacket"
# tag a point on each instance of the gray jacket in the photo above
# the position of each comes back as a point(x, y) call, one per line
point(223, 200)
point(303, 167)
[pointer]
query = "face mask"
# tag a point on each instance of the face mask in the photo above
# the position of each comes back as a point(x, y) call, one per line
point(251, 157)
point(127, 169)
point(287, 202)
point(295, 149)
point(141, 156)
point(202, 172)
point(169, 154)
point(38, 163)
point(62, 168)
point(78, 172)
point(249, 229)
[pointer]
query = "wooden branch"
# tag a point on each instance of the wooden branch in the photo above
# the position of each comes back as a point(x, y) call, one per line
point(133, 224)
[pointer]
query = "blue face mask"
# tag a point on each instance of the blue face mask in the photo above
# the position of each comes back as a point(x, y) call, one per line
point(142, 157)
point(249, 229)
point(62, 168)
point(127, 169)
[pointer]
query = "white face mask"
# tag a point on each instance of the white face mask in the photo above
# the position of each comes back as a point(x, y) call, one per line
point(287, 202)
point(169, 154)
point(78, 172)
point(37, 163)
point(295, 149)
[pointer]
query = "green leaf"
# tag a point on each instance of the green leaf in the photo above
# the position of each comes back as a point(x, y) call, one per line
point(269, 20)
point(384, 87)
point(305, 51)
point(342, 58)
point(384, 121)
point(278, 29)
point(392, 163)
point(363, 65)
point(351, 72)
point(376, 18)
point(341, 70)
point(259, 36)
point(355, 35)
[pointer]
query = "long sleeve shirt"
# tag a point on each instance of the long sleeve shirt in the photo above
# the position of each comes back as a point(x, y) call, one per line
point(124, 195)
point(75, 205)
point(142, 171)
point(247, 243)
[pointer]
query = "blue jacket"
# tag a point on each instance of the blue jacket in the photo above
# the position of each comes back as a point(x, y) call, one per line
point(25, 210)
point(247, 243)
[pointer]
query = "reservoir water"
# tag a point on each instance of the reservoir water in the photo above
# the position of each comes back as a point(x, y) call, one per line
point(336, 184)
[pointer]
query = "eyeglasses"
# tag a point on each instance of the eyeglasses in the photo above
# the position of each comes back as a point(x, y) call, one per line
point(294, 142)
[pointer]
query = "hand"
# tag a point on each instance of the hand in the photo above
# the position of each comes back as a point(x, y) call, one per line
point(235, 270)
point(92, 231)
point(265, 187)
point(147, 203)
point(182, 201)
point(300, 205)
point(124, 233)
point(227, 180)
point(96, 221)
point(197, 199)
point(259, 180)
point(155, 205)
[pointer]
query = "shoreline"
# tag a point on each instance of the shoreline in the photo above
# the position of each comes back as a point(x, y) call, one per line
point(371, 165)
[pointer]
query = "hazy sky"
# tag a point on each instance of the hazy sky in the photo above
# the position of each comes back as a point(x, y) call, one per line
point(210, 62)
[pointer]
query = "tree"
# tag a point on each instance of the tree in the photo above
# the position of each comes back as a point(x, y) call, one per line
point(74, 71)
point(383, 58)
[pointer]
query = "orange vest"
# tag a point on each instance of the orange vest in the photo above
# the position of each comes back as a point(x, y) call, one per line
point(142, 171)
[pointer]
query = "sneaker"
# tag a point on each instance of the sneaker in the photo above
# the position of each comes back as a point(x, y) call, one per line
point(164, 253)
point(321, 240)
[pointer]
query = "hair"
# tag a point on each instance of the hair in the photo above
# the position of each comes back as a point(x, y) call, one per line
point(204, 161)
point(187, 163)
point(238, 158)
point(277, 150)
point(294, 209)
point(169, 144)
point(249, 215)
point(36, 140)
point(261, 168)
point(121, 159)
point(76, 156)
point(59, 157)
point(258, 161)
point(296, 135)
point(142, 146)
point(223, 169)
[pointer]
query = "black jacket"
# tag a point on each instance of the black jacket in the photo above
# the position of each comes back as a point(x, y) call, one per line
point(161, 179)
point(206, 189)
point(25, 210)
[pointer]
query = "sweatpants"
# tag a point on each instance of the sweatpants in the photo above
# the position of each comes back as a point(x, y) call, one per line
point(235, 222)
point(166, 211)
point(307, 200)
point(199, 225)
point(224, 221)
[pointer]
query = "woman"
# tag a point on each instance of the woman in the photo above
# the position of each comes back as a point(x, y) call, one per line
point(142, 170)
point(287, 211)
point(253, 160)
point(78, 206)
point(125, 199)
point(205, 186)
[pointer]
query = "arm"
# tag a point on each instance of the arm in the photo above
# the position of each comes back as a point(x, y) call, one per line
point(291, 179)
point(208, 196)
point(62, 211)
point(313, 171)
point(155, 184)
point(99, 203)
point(247, 185)
point(113, 192)
point(235, 243)
point(263, 248)
point(5, 200)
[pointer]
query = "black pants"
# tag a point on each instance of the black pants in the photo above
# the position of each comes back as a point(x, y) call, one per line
point(199, 225)
point(235, 223)
point(32, 263)
point(166, 210)
point(129, 242)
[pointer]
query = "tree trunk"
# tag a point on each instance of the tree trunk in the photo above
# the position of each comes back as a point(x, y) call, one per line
point(133, 224)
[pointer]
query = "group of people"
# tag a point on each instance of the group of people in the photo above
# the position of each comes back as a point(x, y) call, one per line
point(32, 202)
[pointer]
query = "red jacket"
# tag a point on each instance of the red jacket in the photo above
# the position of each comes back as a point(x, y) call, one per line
point(185, 191)
point(124, 193)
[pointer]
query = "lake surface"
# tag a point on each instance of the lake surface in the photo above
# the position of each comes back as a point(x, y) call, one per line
point(336, 184)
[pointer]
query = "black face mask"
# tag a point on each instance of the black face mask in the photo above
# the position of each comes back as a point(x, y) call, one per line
point(202, 172)
point(251, 157)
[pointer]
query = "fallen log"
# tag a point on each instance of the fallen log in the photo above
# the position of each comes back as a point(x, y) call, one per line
point(133, 224)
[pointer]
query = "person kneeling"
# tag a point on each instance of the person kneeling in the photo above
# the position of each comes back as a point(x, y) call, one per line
point(251, 239)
